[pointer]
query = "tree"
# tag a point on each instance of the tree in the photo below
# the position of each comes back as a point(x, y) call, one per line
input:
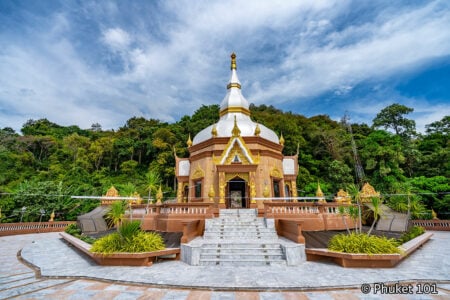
point(392, 117)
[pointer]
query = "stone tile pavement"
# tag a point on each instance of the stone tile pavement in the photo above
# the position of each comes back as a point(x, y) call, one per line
point(63, 273)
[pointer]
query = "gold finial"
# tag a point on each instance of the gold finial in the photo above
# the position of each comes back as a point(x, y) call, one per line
point(159, 195)
point(281, 139)
point(233, 61)
point(236, 131)
point(257, 130)
point(214, 131)
point(52, 216)
point(189, 141)
point(319, 194)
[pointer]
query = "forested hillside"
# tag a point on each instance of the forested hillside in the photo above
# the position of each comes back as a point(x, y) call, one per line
point(46, 163)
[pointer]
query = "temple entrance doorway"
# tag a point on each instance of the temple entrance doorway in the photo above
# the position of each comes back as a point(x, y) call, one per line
point(237, 194)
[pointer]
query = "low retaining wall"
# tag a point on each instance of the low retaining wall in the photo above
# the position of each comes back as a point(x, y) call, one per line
point(33, 227)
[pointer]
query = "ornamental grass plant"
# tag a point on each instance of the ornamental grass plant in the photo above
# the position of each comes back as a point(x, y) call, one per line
point(363, 243)
point(129, 238)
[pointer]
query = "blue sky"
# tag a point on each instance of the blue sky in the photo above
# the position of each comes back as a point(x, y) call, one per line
point(85, 62)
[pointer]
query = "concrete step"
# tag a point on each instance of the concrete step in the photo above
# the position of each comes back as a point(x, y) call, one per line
point(241, 262)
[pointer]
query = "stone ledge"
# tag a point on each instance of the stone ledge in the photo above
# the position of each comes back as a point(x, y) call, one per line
point(119, 259)
point(368, 260)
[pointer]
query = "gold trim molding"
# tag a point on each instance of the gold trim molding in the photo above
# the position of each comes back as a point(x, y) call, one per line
point(235, 109)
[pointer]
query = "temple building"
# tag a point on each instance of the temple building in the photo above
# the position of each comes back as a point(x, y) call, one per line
point(236, 161)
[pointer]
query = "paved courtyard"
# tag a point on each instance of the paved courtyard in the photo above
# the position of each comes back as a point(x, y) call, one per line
point(63, 273)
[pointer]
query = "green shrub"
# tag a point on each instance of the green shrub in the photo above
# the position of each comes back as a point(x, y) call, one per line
point(362, 243)
point(413, 232)
point(72, 229)
point(129, 238)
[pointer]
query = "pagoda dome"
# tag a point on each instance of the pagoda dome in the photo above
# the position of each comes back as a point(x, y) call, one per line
point(233, 107)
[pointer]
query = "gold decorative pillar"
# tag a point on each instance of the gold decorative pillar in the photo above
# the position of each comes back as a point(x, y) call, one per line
point(294, 189)
point(180, 192)
point(221, 188)
point(252, 188)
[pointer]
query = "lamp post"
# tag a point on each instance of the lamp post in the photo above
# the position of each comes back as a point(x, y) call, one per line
point(22, 212)
point(42, 212)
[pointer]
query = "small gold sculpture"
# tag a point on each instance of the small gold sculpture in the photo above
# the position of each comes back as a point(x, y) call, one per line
point(211, 193)
point(214, 131)
point(159, 196)
point(342, 197)
point(52, 216)
point(319, 194)
point(257, 130)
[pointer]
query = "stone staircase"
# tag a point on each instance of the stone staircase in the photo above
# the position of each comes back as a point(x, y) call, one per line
point(239, 238)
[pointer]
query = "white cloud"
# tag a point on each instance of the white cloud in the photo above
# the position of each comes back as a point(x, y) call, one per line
point(116, 38)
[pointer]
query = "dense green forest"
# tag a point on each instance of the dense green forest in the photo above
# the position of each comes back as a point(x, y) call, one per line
point(47, 163)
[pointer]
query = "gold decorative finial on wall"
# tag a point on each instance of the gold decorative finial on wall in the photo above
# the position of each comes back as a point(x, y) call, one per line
point(233, 61)
point(257, 130)
point(236, 131)
point(281, 140)
point(189, 141)
point(214, 131)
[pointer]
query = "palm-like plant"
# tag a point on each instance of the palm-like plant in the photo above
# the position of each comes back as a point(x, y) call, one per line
point(376, 209)
point(116, 214)
point(354, 192)
point(153, 180)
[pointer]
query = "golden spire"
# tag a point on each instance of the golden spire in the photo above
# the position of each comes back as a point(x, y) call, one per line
point(233, 61)
point(236, 131)
point(189, 141)
point(257, 130)
point(281, 140)
point(319, 194)
point(214, 131)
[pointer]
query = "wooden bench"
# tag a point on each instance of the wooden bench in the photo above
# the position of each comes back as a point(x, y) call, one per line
point(120, 259)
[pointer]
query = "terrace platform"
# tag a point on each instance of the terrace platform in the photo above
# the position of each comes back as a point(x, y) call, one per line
point(65, 274)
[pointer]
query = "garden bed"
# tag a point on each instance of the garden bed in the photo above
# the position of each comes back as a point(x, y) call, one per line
point(120, 259)
point(353, 260)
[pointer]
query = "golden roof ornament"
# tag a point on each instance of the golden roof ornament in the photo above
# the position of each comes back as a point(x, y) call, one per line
point(236, 131)
point(112, 192)
point(367, 192)
point(214, 131)
point(233, 61)
point(189, 141)
point(343, 197)
point(257, 130)
point(281, 140)
point(233, 83)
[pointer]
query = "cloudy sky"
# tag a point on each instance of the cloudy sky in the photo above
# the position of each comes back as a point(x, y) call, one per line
point(85, 62)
